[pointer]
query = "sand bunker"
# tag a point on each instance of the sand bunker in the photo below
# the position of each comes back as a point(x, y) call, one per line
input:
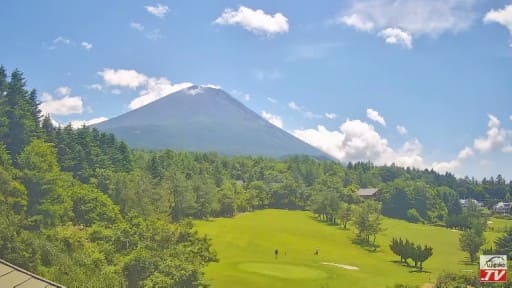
point(342, 266)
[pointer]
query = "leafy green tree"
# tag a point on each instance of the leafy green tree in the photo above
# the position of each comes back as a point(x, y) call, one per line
point(183, 203)
point(69, 257)
point(396, 199)
point(422, 254)
point(503, 243)
point(226, 200)
point(38, 162)
point(345, 214)
point(413, 216)
point(16, 244)
point(471, 240)
point(90, 207)
point(204, 195)
point(325, 205)
point(5, 159)
point(450, 279)
point(409, 250)
point(164, 256)
point(368, 222)
point(260, 194)
point(451, 200)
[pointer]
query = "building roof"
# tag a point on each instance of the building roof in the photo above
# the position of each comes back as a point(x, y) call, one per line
point(505, 205)
point(14, 277)
point(367, 191)
point(465, 202)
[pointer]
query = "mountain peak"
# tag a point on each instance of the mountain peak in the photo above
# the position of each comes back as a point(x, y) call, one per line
point(210, 121)
point(198, 89)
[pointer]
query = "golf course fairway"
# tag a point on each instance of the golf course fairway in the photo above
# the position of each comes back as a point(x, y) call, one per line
point(246, 246)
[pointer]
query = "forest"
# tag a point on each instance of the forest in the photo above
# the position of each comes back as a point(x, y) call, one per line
point(81, 208)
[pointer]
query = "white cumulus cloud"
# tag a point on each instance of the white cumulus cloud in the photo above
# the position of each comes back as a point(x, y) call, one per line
point(331, 142)
point(397, 36)
point(358, 141)
point(64, 105)
point(61, 40)
point(412, 18)
point(87, 46)
point(256, 21)
point(63, 91)
point(450, 166)
point(292, 105)
point(401, 130)
point(95, 86)
point(494, 139)
point(123, 77)
point(137, 26)
point(311, 115)
point(155, 89)
point(375, 116)
point(357, 22)
point(159, 10)
point(79, 123)
point(274, 119)
point(152, 88)
point(272, 100)
point(501, 16)
point(330, 115)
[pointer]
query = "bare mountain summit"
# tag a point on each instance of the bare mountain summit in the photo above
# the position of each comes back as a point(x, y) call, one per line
point(207, 120)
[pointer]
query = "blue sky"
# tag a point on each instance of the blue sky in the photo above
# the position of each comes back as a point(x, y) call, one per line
point(416, 82)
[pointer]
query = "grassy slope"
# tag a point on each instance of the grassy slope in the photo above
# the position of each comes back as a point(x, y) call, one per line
point(246, 243)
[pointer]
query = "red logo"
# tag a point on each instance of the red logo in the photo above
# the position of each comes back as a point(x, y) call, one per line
point(493, 268)
point(493, 275)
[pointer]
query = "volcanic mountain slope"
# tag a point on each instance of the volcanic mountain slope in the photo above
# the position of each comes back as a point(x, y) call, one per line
point(208, 120)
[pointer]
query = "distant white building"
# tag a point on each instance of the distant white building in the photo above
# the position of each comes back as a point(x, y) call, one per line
point(502, 207)
point(465, 203)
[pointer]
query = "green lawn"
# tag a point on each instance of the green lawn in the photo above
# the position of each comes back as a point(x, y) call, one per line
point(245, 245)
point(498, 225)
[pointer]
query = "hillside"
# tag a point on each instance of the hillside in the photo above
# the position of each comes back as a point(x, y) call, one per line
point(208, 120)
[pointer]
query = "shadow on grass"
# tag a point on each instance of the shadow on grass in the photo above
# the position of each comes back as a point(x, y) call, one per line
point(400, 263)
point(207, 220)
point(317, 219)
point(411, 268)
point(466, 262)
point(417, 270)
point(370, 247)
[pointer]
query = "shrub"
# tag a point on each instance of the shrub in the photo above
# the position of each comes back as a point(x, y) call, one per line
point(413, 216)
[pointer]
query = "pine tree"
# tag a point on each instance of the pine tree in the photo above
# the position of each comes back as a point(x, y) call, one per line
point(48, 129)
point(3, 104)
point(35, 114)
point(22, 114)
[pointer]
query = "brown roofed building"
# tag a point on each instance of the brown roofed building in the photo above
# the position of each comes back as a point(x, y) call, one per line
point(14, 277)
point(367, 193)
